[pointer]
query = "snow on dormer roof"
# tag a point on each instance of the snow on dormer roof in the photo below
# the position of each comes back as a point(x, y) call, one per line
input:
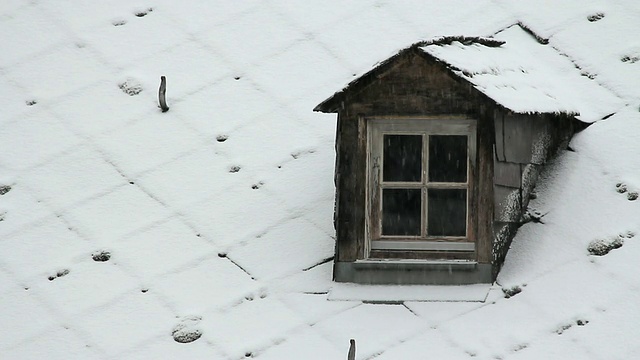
point(524, 74)
point(515, 68)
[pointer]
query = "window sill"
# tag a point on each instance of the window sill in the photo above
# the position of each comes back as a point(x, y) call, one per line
point(408, 263)
point(422, 245)
point(412, 272)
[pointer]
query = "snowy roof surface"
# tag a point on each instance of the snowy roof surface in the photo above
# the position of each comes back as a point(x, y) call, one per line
point(217, 215)
point(526, 76)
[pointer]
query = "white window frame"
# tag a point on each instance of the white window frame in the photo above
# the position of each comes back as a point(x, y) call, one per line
point(432, 125)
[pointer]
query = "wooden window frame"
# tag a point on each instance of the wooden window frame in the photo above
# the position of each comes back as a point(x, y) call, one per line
point(377, 127)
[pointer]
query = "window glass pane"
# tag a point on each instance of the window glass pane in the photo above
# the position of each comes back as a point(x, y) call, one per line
point(447, 212)
point(401, 211)
point(448, 158)
point(402, 158)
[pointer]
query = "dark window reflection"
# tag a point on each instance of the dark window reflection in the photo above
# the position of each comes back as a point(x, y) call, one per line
point(401, 211)
point(402, 158)
point(447, 158)
point(447, 212)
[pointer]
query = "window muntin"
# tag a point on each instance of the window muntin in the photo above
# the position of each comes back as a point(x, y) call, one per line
point(420, 182)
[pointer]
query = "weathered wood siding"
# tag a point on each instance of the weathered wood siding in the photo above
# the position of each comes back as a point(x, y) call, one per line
point(484, 191)
point(350, 190)
point(415, 85)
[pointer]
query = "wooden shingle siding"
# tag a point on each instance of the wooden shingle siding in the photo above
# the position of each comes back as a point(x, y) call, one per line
point(507, 174)
point(514, 135)
point(415, 85)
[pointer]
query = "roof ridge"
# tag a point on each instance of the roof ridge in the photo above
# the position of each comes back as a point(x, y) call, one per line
point(465, 40)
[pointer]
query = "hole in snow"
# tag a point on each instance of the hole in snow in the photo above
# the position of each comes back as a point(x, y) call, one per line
point(257, 186)
point(588, 75)
point(144, 290)
point(143, 13)
point(248, 354)
point(563, 328)
point(595, 17)
point(512, 291)
point(222, 138)
point(297, 154)
point(601, 247)
point(130, 87)
point(131, 183)
point(532, 216)
point(4, 189)
point(237, 77)
point(187, 336)
point(60, 273)
point(622, 188)
point(101, 256)
point(234, 169)
point(187, 331)
point(119, 22)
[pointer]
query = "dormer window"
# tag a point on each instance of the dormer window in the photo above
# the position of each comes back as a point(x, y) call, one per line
point(438, 149)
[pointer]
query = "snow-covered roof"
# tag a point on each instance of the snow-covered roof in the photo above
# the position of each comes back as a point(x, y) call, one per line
point(217, 215)
point(527, 76)
point(518, 70)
